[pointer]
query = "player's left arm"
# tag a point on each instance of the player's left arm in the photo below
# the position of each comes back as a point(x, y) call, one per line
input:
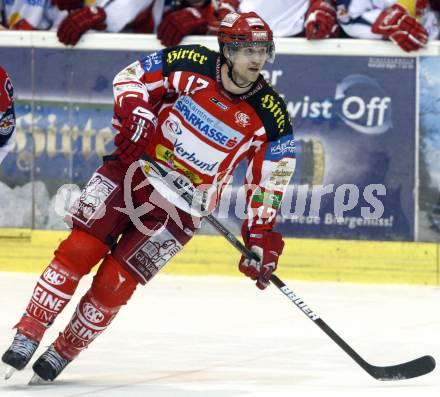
point(269, 173)
point(270, 169)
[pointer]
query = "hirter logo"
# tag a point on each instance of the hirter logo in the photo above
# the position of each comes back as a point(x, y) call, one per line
point(242, 119)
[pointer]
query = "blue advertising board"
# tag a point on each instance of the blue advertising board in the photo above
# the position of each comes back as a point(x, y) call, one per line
point(354, 121)
point(429, 153)
point(359, 116)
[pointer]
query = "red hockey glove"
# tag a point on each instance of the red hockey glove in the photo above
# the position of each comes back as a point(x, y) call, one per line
point(321, 20)
point(178, 24)
point(268, 246)
point(395, 24)
point(80, 21)
point(138, 124)
point(216, 11)
point(22, 24)
point(67, 4)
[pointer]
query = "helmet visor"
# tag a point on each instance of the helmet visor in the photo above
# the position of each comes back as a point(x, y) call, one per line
point(254, 50)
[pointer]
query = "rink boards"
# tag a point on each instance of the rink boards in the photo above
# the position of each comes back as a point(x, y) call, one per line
point(23, 250)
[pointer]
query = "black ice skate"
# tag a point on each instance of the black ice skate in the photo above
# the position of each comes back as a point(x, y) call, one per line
point(48, 366)
point(19, 353)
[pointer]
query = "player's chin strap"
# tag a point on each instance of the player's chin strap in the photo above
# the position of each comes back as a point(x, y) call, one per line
point(411, 369)
point(230, 75)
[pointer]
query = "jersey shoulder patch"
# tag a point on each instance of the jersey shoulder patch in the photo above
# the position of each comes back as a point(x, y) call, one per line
point(189, 58)
point(151, 63)
point(272, 112)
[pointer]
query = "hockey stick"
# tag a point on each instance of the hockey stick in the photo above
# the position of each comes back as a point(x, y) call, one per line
point(411, 369)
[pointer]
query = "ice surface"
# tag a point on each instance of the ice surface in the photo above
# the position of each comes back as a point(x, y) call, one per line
point(221, 337)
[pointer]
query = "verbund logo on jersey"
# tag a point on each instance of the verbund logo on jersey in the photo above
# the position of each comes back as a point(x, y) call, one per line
point(206, 124)
point(192, 158)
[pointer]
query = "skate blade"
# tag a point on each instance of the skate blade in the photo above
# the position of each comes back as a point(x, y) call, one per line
point(36, 380)
point(9, 371)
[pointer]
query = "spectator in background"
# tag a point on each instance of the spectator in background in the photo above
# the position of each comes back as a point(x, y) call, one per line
point(315, 19)
point(3, 24)
point(32, 15)
point(172, 20)
point(286, 18)
point(106, 15)
point(428, 12)
point(7, 114)
point(194, 17)
point(408, 23)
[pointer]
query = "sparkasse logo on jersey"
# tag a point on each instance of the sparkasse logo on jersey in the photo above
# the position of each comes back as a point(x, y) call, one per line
point(206, 124)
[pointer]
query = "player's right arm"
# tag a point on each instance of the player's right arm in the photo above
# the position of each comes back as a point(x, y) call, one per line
point(138, 91)
point(161, 73)
point(136, 88)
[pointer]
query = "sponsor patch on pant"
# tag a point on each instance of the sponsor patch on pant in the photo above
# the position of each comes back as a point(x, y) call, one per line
point(153, 254)
point(91, 204)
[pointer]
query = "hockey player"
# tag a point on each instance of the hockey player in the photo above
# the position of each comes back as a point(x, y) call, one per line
point(198, 113)
point(7, 114)
point(408, 23)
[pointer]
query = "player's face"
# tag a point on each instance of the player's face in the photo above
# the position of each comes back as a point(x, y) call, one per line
point(248, 62)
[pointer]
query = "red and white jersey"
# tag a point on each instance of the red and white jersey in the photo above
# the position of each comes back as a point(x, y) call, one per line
point(7, 114)
point(285, 18)
point(204, 132)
